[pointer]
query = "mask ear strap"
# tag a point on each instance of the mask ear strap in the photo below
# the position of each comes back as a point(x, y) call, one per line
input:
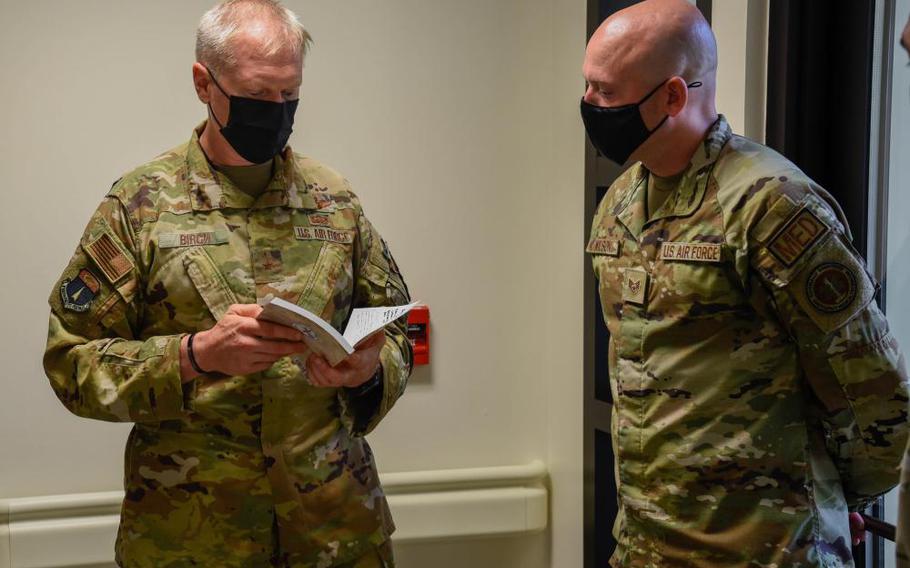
point(648, 96)
point(659, 124)
point(217, 84)
point(692, 85)
point(211, 111)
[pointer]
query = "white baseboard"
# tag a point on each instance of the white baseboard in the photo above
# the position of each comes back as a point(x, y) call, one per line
point(78, 530)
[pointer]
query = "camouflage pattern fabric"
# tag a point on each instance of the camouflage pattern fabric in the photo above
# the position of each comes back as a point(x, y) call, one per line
point(759, 396)
point(252, 470)
point(902, 541)
point(381, 557)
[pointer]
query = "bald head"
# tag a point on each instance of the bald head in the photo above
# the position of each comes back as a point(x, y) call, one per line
point(661, 56)
point(652, 41)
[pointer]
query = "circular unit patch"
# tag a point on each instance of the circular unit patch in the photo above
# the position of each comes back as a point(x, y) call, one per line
point(831, 287)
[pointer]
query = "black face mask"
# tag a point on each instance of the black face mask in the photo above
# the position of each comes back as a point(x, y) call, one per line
point(616, 132)
point(257, 130)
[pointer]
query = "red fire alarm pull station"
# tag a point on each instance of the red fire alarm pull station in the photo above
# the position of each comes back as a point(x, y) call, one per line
point(419, 333)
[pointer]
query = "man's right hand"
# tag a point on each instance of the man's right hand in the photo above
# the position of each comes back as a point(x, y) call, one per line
point(240, 344)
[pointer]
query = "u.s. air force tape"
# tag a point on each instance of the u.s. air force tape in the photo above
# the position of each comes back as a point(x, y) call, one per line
point(691, 252)
point(323, 234)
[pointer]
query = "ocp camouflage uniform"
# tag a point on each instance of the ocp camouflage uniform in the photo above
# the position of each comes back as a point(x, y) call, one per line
point(758, 394)
point(242, 470)
point(902, 541)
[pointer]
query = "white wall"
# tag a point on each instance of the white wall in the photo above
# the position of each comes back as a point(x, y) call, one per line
point(457, 124)
point(741, 28)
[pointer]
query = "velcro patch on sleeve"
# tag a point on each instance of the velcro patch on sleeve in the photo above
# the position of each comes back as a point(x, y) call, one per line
point(798, 235)
point(78, 293)
point(834, 287)
point(108, 256)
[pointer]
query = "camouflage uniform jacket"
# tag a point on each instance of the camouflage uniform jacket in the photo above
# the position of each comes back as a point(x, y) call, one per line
point(758, 394)
point(241, 470)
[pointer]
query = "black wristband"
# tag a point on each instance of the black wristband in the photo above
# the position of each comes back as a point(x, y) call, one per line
point(369, 385)
point(192, 356)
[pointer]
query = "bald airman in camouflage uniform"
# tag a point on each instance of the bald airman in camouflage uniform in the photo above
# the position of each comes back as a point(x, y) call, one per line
point(224, 468)
point(759, 397)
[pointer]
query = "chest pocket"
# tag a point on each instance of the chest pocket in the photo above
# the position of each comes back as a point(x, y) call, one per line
point(209, 282)
point(694, 279)
point(313, 263)
point(187, 287)
point(606, 247)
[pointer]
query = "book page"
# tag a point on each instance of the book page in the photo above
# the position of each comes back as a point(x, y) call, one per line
point(364, 321)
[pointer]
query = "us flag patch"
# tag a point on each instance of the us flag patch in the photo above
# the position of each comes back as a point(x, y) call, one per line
point(109, 258)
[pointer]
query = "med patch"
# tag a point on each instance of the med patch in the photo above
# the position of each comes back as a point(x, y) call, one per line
point(799, 234)
point(77, 293)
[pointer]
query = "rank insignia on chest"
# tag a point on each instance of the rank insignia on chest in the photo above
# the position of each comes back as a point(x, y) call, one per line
point(634, 286)
point(324, 201)
point(77, 293)
point(600, 245)
point(319, 220)
point(691, 252)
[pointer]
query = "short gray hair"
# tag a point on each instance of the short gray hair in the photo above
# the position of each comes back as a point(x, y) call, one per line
point(219, 25)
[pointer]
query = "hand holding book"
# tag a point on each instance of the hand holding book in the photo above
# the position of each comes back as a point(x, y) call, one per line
point(358, 368)
point(324, 339)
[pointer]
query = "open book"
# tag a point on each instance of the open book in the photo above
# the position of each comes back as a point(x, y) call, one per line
point(321, 337)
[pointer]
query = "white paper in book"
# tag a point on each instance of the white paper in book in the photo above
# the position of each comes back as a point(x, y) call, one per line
point(324, 339)
point(364, 321)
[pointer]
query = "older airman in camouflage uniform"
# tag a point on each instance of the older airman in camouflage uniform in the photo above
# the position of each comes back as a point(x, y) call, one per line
point(261, 459)
point(759, 397)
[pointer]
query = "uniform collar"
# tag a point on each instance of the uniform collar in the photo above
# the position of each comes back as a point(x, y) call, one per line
point(209, 189)
point(687, 197)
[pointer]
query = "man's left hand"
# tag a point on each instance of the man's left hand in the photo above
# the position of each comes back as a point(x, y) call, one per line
point(357, 369)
